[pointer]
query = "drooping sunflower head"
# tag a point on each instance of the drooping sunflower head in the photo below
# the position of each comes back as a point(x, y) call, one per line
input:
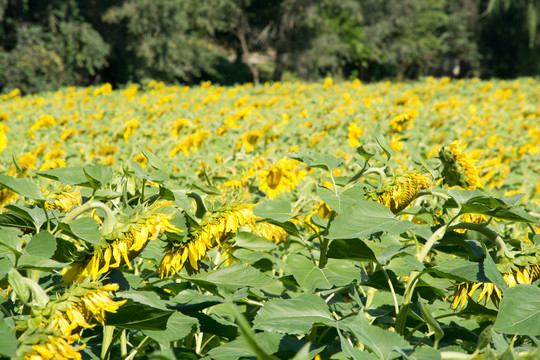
point(403, 121)
point(280, 177)
point(458, 168)
point(50, 347)
point(62, 198)
point(125, 242)
point(398, 192)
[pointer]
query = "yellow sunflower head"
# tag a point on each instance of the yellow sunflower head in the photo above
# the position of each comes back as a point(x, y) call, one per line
point(458, 167)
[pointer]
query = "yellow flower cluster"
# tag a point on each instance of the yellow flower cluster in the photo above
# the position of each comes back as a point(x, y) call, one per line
point(402, 190)
point(522, 275)
point(280, 177)
point(63, 200)
point(55, 348)
point(466, 163)
point(190, 142)
point(122, 249)
point(403, 121)
point(214, 232)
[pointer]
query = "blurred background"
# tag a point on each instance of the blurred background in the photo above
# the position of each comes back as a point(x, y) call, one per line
point(45, 45)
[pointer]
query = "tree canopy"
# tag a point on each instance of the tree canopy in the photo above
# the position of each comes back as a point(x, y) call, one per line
point(47, 45)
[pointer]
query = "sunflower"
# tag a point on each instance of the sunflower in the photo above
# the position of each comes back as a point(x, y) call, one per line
point(6, 197)
point(459, 168)
point(127, 244)
point(518, 275)
point(401, 190)
point(249, 139)
point(214, 231)
point(271, 232)
point(63, 199)
point(54, 347)
point(471, 218)
point(280, 177)
point(85, 302)
point(403, 121)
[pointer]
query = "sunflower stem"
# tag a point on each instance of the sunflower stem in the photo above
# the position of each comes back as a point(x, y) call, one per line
point(110, 219)
point(123, 343)
point(108, 332)
point(492, 235)
point(379, 171)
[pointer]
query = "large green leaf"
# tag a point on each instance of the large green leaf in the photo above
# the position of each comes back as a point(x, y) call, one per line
point(43, 244)
point(315, 160)
point(384, 344)
point(364, 219)
point(149, 298)
point(310, 277)
point(239, 348)
point(152, 159)
point(178, 327)
point(251, 241)
point(346, 199)
point(85, 228)
point(279, 210)
point(293, 316)
point(460, 270)
point(98, 175)
point(491, 271)
point(67, 175)
point(8, 341)
point(139, 317)
point(36, 215)
point(354, 249)
point(22, 187)
point(519, 311)
point(231, 278)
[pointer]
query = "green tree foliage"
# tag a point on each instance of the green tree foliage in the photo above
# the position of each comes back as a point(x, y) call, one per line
point(47, 46)
point(166, 40)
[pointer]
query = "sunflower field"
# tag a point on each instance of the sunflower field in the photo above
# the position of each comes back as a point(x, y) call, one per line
point(334, 220)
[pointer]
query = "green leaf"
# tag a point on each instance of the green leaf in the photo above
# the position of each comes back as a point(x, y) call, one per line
point(36, 215)
point(106, 194)
point(352, 352)
point(315, 160)
point(311, 278)
point(139, 317)
point(345, 200)
point(231, 278)
point(23, 187)
point(460, 270)
point(85, 228)
point(10, 239)
point(18, 285)
point(491, 271)
point(364, 219)
point(190, 300)
point(42, 244)
point(5, 266)
point(353, 249)
point(519, 311)
point(8, 341)
point(383, 343)
point(38, 263)
point(251, 241)
point(178, 327)
point(425, 353)
point(430, 320)
point(279, 210)
point(149, 298)
point(383, 143)
point(67, 175)
point(293, 316)
point(239, 348)
point(98, 175)
point(152, 159)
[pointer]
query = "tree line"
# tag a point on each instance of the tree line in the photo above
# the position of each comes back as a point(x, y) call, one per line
point(45, 45)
